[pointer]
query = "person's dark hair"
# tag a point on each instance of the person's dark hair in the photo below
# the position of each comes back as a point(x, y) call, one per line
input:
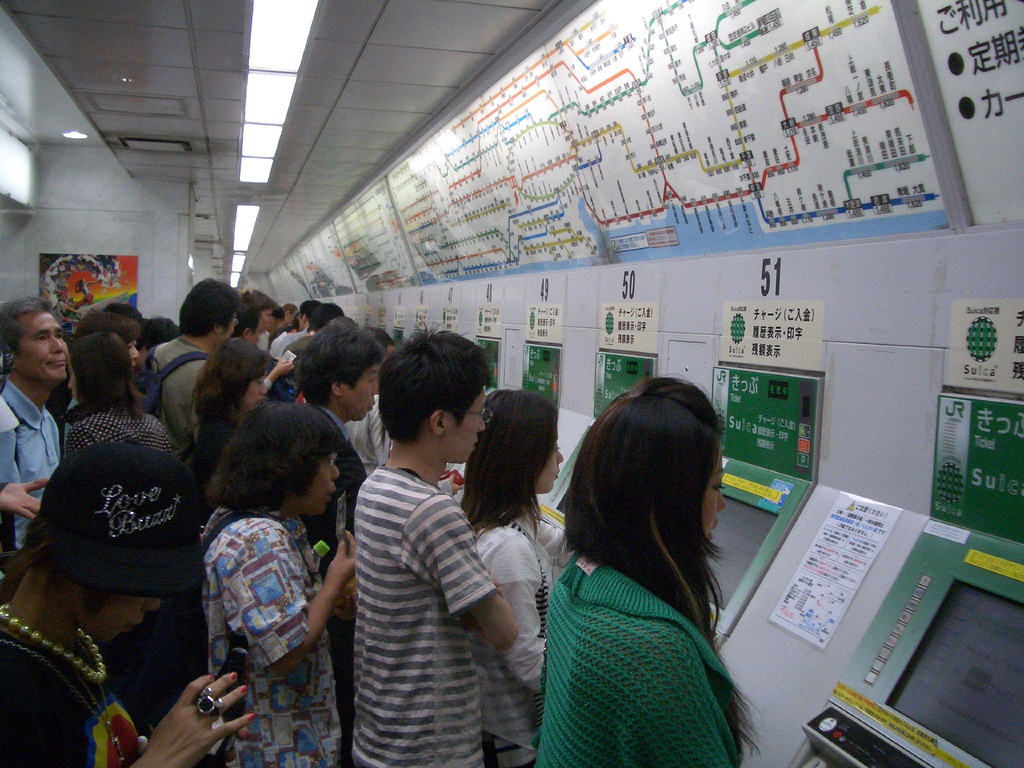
point(226, 375)
point(335, 355)
point(323, 314)
point(104, 380)
point(125, 310)
point(156, 331)
point(258, 300)
point(11, 328)
point(643, 516)
point(248, 320)
point(382, 336)
point(274, 453)
point(277, 313)
point(210, 303)
point(124, 327)
point(308, 307)
point(432, 370)
point(502, 471)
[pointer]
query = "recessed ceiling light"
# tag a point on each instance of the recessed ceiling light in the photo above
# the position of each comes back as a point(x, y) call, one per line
point(255, 169)
point(267, 97)
point(279, 33)
point(237, 262)
point(234, 279)
point(124, 79)
point(245, 221)
point(260, 140)
point(75, 135)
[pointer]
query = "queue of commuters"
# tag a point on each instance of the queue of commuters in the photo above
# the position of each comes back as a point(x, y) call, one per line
point(327, 601)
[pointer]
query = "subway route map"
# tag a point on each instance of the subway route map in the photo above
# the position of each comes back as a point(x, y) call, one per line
point(652, 130)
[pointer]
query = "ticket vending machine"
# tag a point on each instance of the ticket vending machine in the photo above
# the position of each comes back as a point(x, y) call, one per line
point(771, 423)
point(937, 680)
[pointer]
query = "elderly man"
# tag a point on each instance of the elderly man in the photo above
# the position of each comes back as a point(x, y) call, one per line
point(31, 450)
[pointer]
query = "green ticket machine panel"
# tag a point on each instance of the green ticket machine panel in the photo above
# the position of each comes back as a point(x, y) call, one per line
point(617, 373)
point(492, 351)
point(541, 370)
point(978, 482)
point(398, 334)
point(938, 679)
point(770, 423)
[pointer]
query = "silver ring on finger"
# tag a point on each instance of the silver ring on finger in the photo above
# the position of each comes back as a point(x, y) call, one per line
point(208, 706)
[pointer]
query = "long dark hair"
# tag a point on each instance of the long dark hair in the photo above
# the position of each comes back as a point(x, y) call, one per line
point(274, 453)
point(635, 502)
point(227, 374)
point(104, 379)
point(510, 454)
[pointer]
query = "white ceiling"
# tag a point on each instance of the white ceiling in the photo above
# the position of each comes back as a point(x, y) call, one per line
point(374, 75)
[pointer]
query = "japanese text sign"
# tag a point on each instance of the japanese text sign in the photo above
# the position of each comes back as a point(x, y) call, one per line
point(978, 480)
point(986, 345)
point(421, 317)
point(399, 318)
point(773, 333)
point(488, 321)
point(450, 318)
point(978, 50)
point(617, 374)
point(544, 323)
point(382, 315)
point(630, 327)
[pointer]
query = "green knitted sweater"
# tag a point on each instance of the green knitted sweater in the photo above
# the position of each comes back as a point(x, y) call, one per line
point(629, 681)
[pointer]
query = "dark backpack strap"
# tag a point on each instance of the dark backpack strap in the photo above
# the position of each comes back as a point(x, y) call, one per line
point(179, 361)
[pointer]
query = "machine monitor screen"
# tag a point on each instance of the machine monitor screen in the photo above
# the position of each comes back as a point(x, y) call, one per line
point(965, 682)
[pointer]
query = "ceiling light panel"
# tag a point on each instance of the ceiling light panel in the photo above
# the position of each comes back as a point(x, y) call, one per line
point(267, 97)
point(260, 140)
point(234, 279)
point(255, 170)
point(237, 262)
point(245, 222)
point(279, 33)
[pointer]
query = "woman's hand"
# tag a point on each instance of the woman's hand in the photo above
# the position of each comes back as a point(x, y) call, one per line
point(282, 368)
point(185, 735)
point(343, 566)
point(15, 498)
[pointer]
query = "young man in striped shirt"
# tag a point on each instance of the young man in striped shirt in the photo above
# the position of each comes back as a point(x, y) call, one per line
point(422, 585)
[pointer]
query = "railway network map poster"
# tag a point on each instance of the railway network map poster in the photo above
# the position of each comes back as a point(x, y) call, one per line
point(663, 129)
point(371, 242)
point(79, 283)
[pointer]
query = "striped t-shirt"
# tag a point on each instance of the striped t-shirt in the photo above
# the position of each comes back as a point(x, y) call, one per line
point(417, 695)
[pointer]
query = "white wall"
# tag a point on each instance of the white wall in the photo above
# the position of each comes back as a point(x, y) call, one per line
point(87, 203)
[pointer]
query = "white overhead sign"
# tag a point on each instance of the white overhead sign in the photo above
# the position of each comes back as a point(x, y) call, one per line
point(986, 345)
point(783, 334)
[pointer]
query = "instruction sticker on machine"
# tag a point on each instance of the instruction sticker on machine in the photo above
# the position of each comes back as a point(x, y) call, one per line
point(630, 327)
point(421, 317)
point(787, 334)
point(399, 318)
point(986, 345)
point(544, 323)
point(488, 321)
point(833, 568)
point(382, 315)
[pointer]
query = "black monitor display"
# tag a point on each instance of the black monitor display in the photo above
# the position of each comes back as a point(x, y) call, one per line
point(965, 682)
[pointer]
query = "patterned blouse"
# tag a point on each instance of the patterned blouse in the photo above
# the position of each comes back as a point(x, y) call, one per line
point(114, 427)
point(261, 574)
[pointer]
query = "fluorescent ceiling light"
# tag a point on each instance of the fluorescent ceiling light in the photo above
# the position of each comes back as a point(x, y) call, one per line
point(245, 222)
point(267, 97)
point(237, 262)
point(191, 264)
point(260, 140)
point(75, 135)
point(279, 33)
point(234, 279)
point(255, 169)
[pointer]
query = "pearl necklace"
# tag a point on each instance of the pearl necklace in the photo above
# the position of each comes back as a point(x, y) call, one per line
point(91, 670)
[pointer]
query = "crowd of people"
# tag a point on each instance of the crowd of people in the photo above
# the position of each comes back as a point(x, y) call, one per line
point(239, 541)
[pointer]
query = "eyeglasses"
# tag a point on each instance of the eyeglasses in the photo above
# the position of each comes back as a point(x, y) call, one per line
point(484, 414)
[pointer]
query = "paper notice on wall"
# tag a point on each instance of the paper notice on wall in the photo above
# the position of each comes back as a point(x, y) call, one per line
point(833, 568)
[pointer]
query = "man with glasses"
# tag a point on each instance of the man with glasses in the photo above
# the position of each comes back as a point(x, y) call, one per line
point(207, 319)
point(422, 585)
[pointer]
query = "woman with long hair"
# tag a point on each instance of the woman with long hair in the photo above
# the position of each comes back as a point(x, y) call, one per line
point(109, 541)
point(633, 677)
point(515, 459)
point(229, 386)
point(109, 407)
point(263, 588)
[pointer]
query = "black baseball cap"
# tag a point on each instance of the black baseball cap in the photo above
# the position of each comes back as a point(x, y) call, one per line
point(123, 520)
